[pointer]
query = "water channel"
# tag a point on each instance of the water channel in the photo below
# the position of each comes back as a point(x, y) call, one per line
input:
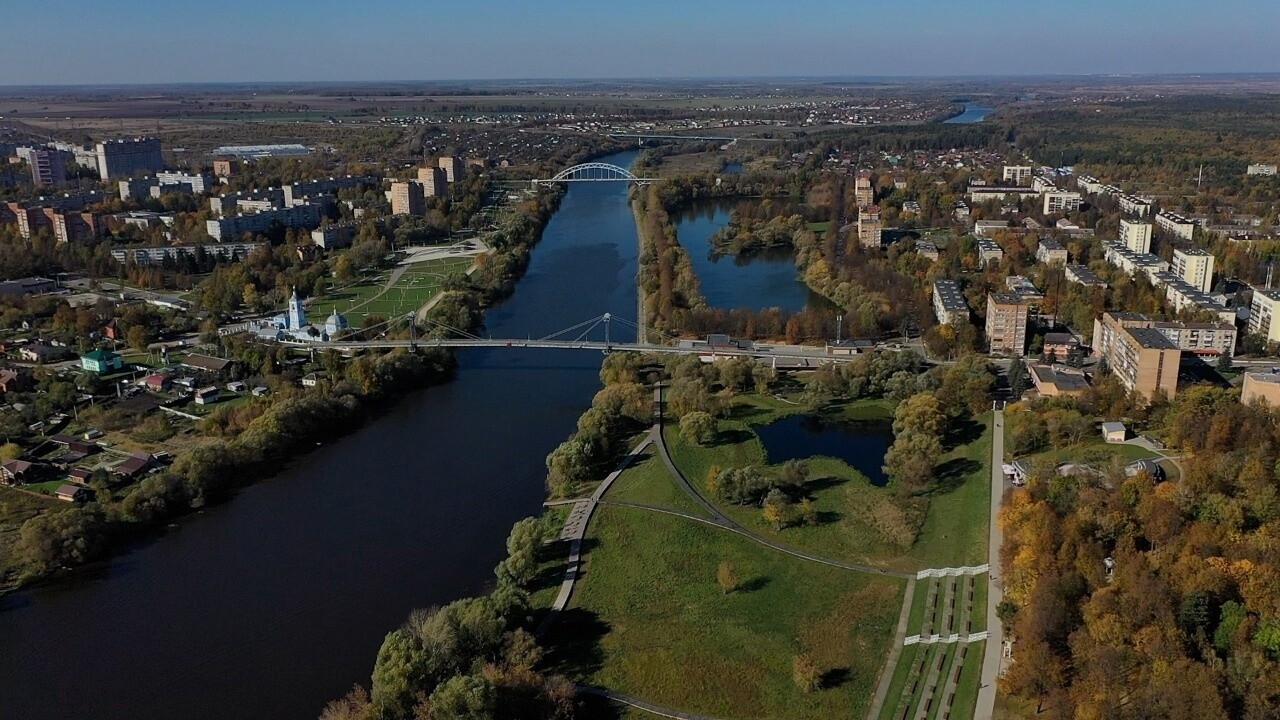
point(754, 280)
point(273, 603)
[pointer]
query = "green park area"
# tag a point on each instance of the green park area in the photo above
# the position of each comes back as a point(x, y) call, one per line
point(857, 521)
point(652, 619)
point(679, 610)
point(414, 287)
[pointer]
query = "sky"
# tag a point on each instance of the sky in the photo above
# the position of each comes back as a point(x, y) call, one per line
point(169, 41)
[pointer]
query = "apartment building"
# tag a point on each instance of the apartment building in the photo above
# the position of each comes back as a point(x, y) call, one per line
point(1058, 201)
point(927, 249)
point(1043, 184)
point(1182, 295)
point(1145, 361)
point(453, 168)
point(1134, 205)
point(1133, 262)
point(334, 237)
point(47, 167)
point(307, 216)
point(1194, 266)
point(1264, 387)
point(1206, 340)
point(300, 192)
point(435, 182)
point(1175, 224)
point(864, 193)
point(158, 254)
point(1051, 252)
point(122, 158)
point(247, 200)
point(1006, 327)
point(1091, 185)
point(985, 228)
point(989, 251)
point(869, 227)
point(1263, 313)
point(983, 193)
point(1082, 275)
point(949, 304)
point(1016, 174)
point(407, 198)
point(1136, 235)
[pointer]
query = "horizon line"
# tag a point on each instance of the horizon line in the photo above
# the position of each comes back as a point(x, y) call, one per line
point(659, 78)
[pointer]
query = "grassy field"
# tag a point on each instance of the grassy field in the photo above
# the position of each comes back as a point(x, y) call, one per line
point(412, 290)
point(954, 530)
point(647, 482)
point(650, 619)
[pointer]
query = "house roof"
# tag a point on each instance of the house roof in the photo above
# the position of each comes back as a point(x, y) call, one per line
point(17, 466)
point(100, 355)
point(1110, 427)
point(70, 490)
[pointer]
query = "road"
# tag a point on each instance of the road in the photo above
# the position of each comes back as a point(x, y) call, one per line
point(995, 590)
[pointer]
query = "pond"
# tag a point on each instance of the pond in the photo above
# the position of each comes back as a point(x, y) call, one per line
point(860, 443)
point(752, 280)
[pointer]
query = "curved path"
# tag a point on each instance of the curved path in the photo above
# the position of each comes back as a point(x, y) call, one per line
point(640, 704)
point(719, 518)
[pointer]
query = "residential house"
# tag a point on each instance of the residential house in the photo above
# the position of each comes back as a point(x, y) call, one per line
point(16, 472)
point(1060, 345)
point(42, 353)
point(1114, 432)
point(72, 493)
point(133, 466)
point(312, 379)
point(100, 360)
point(157, 382)
point(206, 395)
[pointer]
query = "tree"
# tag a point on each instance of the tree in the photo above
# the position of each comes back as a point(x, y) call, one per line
point(911, 459)
point(727, 577)
point(1018, 377)
point(1224, 363)
point(10, 451)
point(777, 508)
point(698, 427)
point(806, 674)
point(398, 673)
point(137, 337)
point(463, 697)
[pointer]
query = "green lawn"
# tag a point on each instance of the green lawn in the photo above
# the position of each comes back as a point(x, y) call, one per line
point(921, 596)
point(967, 689)
point(415, 288)
point(980, 602)
point(1098, 447)
point(647, 482)
point(649, 619)
point(954, 531)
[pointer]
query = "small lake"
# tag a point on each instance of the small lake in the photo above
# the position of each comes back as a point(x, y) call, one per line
point(973, 113)
point(752, 280)
point(860, 443)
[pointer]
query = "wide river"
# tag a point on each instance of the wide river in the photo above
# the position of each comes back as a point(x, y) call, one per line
point(273, 603)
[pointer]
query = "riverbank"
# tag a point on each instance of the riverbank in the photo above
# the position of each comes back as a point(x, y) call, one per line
point(254, 441)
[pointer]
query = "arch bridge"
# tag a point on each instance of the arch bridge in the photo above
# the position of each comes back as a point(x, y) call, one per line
point(595, 172)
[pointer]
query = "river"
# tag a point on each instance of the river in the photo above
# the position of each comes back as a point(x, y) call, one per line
point(973, 113)
point(275, 602)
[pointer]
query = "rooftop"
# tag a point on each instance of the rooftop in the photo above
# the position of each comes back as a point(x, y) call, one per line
point(1264, 377)
point(948, 293)
point(1151, 339)
point(1002, 298)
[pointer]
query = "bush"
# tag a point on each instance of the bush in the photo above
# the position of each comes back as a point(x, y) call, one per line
point(744, 485)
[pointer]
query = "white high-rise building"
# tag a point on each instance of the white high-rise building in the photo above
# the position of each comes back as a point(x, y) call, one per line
point(1195, 266)
point(1136, 235)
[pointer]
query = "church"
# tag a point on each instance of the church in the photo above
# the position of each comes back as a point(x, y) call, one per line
point(292, 325)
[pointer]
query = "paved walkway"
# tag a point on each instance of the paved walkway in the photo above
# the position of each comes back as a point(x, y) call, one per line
point(575, 528)
point(641, 704)
point(891, 663)
point(995, 586)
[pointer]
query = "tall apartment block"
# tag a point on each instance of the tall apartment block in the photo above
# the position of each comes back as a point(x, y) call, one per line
point(1145, 361)
point(869, 227)
point(1006, 327)
point(435, 181)
point(864, 193)
point(1016, 174)
point(407, 198)
point(1195, 266)
point(47, 167)
point(1056, 201)
point(1136, 235)
point(1264, 310)
point(122, 158)
point(453, 168)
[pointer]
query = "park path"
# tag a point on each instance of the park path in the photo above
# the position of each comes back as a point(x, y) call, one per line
point(995, 585)
point(636, 702)
point(575, 529)
point(895, 650)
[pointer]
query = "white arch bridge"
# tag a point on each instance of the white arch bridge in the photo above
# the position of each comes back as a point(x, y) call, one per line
point(594, 172)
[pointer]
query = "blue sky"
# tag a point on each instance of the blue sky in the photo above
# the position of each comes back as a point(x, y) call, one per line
point(122, 41)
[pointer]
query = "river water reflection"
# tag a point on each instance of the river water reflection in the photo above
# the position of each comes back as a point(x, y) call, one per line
point(275, 602)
